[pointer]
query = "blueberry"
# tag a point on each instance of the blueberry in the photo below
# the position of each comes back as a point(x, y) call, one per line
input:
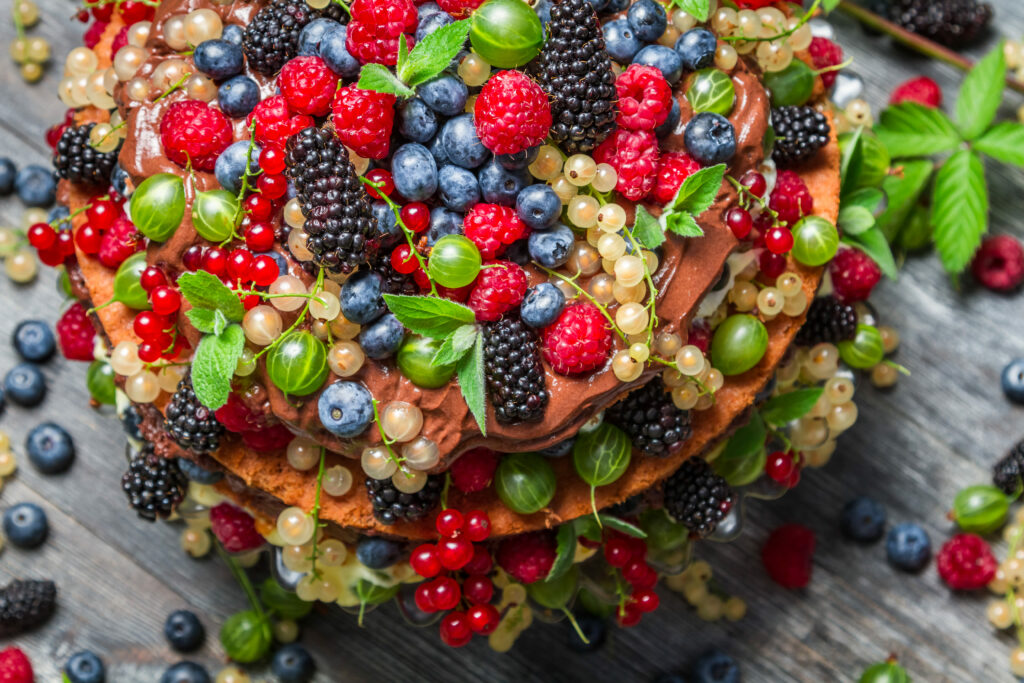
point(387, 224)
point(335, 54)
point(445, 94)
point(417, 121)
point(551, 248)
point(542, 305)
point(50, 448)
point(1013, 380)
point(519, 252)
point(237, 97)
point(648, 20)
point(218, 58)
point(664, 59)
point(620, 40)
point(233, 33)
point(280, 260)
point(543, 11)
point(615, 6)
point(443, 222)
point(710, 138)
point(378, 553)
point(671, 121)
point(863, 519)
point(431, 23)
point(285, 577)
point(197, 473)
point(594, 628)
point(7, 172)
point(459, 187)
point(313, 34)
point(131, 421)
point(517, 161)
point(345, 408)
point(35, 185)
point(437, 149)
point(425, 10)
point(697, 48)
point(498, 185)
point(57, 215)
point(538, 206)
point(598, 5)
point(85, 667)
point(34, 341)
point(119, 179)
point(382, 338)
point(414, 171)
point(184, 631)
point(185, 672)
point(560, 449)
point(231, 163)
point(360, 297)
point(293, 664)
point(908, 547)
point(461, 144)
point(25, 525)
point(715, 666)
point(24, 385)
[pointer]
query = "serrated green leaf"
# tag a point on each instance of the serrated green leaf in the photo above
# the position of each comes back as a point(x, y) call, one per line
point(868, 197)
point(647, 230)
point(213, 365)
point(379, 78)
point(434, 53)
point(430, 316)
point(740, 462)
point(470, 371)
point(698, 192)
point(206, 320)
point(455, 345)
point(959, 210)
point(682, 224)
point(565, 551)
point(873, 243)
point(910, 129)
point(855, 219)
point(698, 9)
point(778, 410)
point(403, 55)
point(623, 526)
point(981, 93)
point(205, 290)
point(1003, 141)
point(902, 193)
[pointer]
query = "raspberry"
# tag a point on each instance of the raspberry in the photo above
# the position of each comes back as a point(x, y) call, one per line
point(363, 119)
point(579, 341)
point(15, 667)
point(673, 169)
point(788, 555)
point(511, 113)
point(236, 416)
point(922, 90)
point(474, 469)
point(75, 333)
point(965, 562)
point(790, 199)
point(308, 85)
point(754, 4)
point(460, 9)
point(854, 275)
point(376, 24)
point(270, 438)
point(492, 228)
point(634, 156)
point(120, 40)
point(825, 53)
point(119, 242)
point(497, 289)
point(275, 122)
point(94, 34)
point(645, 98)
point(528, 557)
point(234, 528)
point(193, 131)
point(999, 263)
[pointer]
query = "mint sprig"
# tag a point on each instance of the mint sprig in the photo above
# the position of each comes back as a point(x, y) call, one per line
point(430, 316)
point(213, 365)
point(205, 290)
point(696, 194)
point(698, 9)
point(428, 58)
point(959, 209)
point(783, 408)
point(470, 372)
point(860, 230)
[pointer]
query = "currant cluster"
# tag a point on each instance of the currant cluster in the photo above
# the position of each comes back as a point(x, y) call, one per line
point(783, 467)
point(629, 556)
point(53, 245)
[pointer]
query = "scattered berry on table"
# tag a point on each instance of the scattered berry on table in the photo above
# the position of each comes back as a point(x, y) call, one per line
point(824, 54)
point(527, 557)
point(828, 320)
point(653, 422)
point(696, 497)
point(7, 172)
point(293, 664)
point(24, 605)
point(50, 448)
point(78, 161)
point(999, 263)
point(25, 385)
point(1008, 473)
point(378, 553)
point(715, 666)
point(185, 672)
point(922, 90)
point(788, 555)
point(35, 186)
point(908, 547)
point(854, 275)
point(799, 133)
point(85, 667)
point(15, 666)
point(965, 562)
point(234, 528)
point(75, 333)
point(513, 370)
point(863, 519)
point(391, 505)
point(511, 113)
point(474, 469)
point(184, 631)
point(953, 23)
point(154, 485)
point(34, 341)
point(25, 525)
point(191, 424)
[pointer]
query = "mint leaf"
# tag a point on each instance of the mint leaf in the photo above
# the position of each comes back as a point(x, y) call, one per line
point(434, 53)
point(959, 209)
point(455, 345)
point(873, 243)
point(741, 461)
point(698, 9)
point(213, 365)
point(855, 219)
point(698, 191)
point(428, 315)
point(682, 224)
point(849, 164)
point(205, 290)
point(868, 197)
point(622, 526)
point(403, 54)
point(470, 371)
point(980, 93)
point(909, 129)
point(378, 78)
point(565, 551)
point(647, 230)
point(1003, 141)
point(902, 193)
point(778, 410)
point(207, 321)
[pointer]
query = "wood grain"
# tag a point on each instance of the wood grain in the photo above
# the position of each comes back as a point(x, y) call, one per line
point(912, 448)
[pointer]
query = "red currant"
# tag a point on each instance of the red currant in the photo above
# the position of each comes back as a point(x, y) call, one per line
point(779, 466)
point(149, 325)
point(772, 265)
point(66, 243)
point(52, 256)
point(379, 175)
point(449, 523)
point(403, 261)
point(416, 216)
point(149, 352)
point(272, 186)
point(249, 301)
point(645, 599)
point(481, 562)
point(794, 477)
point(483, 619)
point(446, 592)
point(617, 552)
point(165, 300)
point(424, 598)
point(272, 160)
point(239, 261)
point(42, 235)
point(215, 261)
point(425, 562)
point(192, 258)
point(755, 183)
point(88, 239)
point(258, 207)
point(478, 526)
point(739, 221)
point(264, 270)
point(102, 213)
point(102, 12)
point(478, 588)
point(779, 240)
point(455, 629)
point(455, 553)
point(629, 615)
point(180, 345)
point(259, 237)
point(151, 278)
point(132, 12)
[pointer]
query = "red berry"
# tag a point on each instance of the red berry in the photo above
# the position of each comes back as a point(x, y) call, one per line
point(66, 242)
point(779, 240)
point(478, 588)
point(455, 629)
point(700, 335)
point(854, 275)
point(424, 561)
point(308, 85)
point(272, 160)
point(381, 177)
point(215, 261)
point(511, 113)
point(999, 263)
point(132, 12)
point(771, 265)
point(482, 563)
point(528, 557)
point(483, 619)
point(965, 562)
point(274, 123)
point(15, 666)
point(645, 98)
point(53, 256)
point(825, 53)
point(790, 199)
point(234, 528)
point(424, 597)
point(629, 615)
point(673, 169)
point(579, 341)
point(403, 261)
point(88, 239)
point(921, 90)
point(449, 523)
point(165, 300)
point(363, 118)
point(192, 258)
point(779, 466)
point(460, 9)
point(788, 555)
point(42, 235)
point(272, 186)
point(478, 526)
point(416, 216)
point(455, 553)
point(754, 182)
point(239, 262)
point(499, 288)
point(119, 242)
point(634, 156)
point(120, 40)
point(75, 333)
point(739, 221)
point(646, 599)
point(193, 132)
point(149, 325)
point(258, 207)
point(149, 352)
point(94, 33)
point(264, 270)
point(617, 552)
point(102, 213)
point(634, 570)
point(375, 27)
point(151, 278)
point(259, 237)
point(492, 228)
point(446, 592)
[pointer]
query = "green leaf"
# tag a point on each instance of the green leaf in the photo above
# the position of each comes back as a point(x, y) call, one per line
point(698, 191)
point(434, 53)
point(741, 461)
point(1003, 141)
point(868, 197)
point(980, 93)
point(851, 156)
point(647, 230)
point(470, 371)
point(873, 243)
point(430, 316)
point(214, 364)
point(959, 210)
point(377, 77)
point(283, 603)
point(206, 320)
point(205, 290)
point(829, 5)
point(455, 345)
point(778, 410)
point(681, 223)
point(910, 129)
point(565, 551)
point(370, 593)
point(902, 192)
point(403, 55)
point(601, 456)
point(588, 528)
point(622, 526)
point(855, 219)
point(698, 9)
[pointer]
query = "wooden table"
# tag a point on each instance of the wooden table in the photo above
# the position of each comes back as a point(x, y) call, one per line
point(913, 448)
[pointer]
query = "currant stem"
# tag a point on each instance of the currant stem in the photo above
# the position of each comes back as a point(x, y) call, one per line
point(315, 514)
point(387, 442)
point(317, 286)
point(397, 211)
point(177, 84)
point(784, 34)
point(587, 295)
point(245, 175)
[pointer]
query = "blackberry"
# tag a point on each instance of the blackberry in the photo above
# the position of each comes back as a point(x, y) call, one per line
point(78, 161)
point(953, 23)
point(515, 375)
point(651, 419)
point(575, 70)
point(25, 605)
point(391, 505)
point(828, 320)
point(339, 220)
point(799, 133)
point(272, 37)
point(392, 282)
point(154, 485)
point(190, 423)
point(696, 497)
point(1008, 473)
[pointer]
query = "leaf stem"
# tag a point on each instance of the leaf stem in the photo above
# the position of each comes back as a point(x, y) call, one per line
point(575, 624)
point(396, 210)
point(243, 580)
point(19, 23)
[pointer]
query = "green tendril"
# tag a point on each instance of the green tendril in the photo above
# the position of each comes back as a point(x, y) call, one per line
point(317, 287)
point(397, 211)
point(315, 514)
point(394, 457)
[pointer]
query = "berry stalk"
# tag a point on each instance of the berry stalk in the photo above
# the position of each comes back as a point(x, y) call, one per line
point(243, 580)
point(315, 514)
point(317, 287)
point(395, 209)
